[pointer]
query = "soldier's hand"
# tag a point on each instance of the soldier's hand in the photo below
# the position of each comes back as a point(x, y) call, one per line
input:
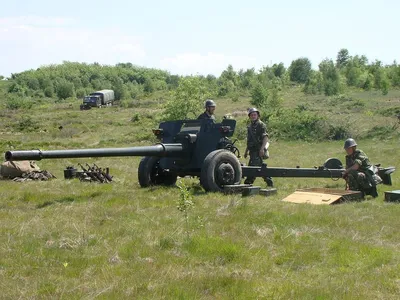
point(261, 153)
point(344, 175)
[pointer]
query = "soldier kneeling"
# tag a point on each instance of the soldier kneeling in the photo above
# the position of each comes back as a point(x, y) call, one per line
point(360, 174)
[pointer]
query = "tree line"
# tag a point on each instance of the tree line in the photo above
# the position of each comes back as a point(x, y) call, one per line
point(72, 79)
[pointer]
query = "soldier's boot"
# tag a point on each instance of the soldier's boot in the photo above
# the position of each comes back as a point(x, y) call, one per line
point(372, 192)
point(249, 180)
point(269, 181)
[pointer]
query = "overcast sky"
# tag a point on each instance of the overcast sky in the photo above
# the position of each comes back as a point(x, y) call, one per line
point(194, 37)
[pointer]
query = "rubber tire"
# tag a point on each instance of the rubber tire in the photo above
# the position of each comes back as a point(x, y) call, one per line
point(148, 175)
point(207, 161)
point(210, 165)
point(333, 163)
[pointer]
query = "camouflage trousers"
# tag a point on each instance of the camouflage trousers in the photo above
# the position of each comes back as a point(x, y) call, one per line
point(358, 181)
point(256, 161)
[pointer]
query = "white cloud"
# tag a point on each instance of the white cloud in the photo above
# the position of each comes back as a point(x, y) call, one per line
point(210, 63)
point(28, 42)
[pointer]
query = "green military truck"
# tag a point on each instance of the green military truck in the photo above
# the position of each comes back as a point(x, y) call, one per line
point(98, 99)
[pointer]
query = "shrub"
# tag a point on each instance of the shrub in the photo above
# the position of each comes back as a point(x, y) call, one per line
point(80, 93)
point(187, 100)
point(259, 96)
point(389, 112)
point(234, 96)
point(135, 118)
point(49, 91)
point(14, 103)
point(338, 132)
point(65, 89)
point(383, 132)
point(295, 124)
point(27, 124)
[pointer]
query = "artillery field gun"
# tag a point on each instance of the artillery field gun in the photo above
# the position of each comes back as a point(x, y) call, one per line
point(199, 148)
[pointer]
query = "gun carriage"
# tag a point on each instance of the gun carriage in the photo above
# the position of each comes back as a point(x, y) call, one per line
point(199, 148)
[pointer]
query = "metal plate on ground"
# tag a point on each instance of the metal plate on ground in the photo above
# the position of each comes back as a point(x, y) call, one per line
point(235, 188)
point(251, 191)
point(322, 196)
point(392, 196)
point(268, 192)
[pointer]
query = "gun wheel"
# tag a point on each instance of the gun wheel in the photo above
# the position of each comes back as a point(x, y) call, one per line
point(220, 167)
point(150, 173)
point(333, 163)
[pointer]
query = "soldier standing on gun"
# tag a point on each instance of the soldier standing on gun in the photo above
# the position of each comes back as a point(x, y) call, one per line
point(257, 144)
point(208, 114)
point(359, 173)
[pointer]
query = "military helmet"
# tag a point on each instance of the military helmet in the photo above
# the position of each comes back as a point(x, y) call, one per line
point(251, 110)
point(349, 143)
point(209, 103)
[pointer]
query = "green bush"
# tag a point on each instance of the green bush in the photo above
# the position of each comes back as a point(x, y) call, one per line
point(295, 124)
point(49, 91)
point(241, 130)
point(259, 96)
point(234, 96)
point(80, 93)
point(26, 124)
point(338, 132)
point(356, 104)
point(187, 100)
point(65, 89)
point(389, 112)
point(135, 118)
point(14, 103)
point(383, 132)
point(17, 89)
point(339, 99)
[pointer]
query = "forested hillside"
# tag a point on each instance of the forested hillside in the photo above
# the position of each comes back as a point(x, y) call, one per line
point(332, 77)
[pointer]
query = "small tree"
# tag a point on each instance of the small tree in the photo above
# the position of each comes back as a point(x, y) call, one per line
point(331, 77)
point(279, 70)
point(65, 89)
point(342, 58)
point(185, 203)
point(314, 83)
point(33, 83)
point(259, 96)
point(381, 80)
point(49, 91)
point(148, 85)
point(80, 93)
point(187, 100)
point(300, 70)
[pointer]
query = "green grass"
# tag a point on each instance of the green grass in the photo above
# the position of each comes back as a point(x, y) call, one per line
point(72, 240)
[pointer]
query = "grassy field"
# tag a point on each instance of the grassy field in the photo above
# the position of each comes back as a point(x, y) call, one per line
point(73, 240)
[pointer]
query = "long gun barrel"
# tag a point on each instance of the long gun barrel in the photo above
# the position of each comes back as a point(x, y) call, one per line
point(159, 150)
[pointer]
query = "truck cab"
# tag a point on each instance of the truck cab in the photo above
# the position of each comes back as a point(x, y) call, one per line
point(91, 101)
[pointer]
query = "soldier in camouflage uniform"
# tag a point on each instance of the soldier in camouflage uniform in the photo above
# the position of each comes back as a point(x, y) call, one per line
point(257, 144)
point(208, 114)
point(359, 173)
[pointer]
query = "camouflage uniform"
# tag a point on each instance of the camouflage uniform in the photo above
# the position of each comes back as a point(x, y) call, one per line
point(206, 116)
point(361, 179)
point(255, 135)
